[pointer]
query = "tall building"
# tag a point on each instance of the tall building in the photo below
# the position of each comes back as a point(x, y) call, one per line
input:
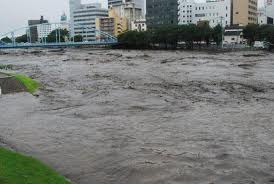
point(64, 22)
point(114, 3)
point(113, 24)
point(244, 12)
point(129, 11)
point(140, 4)
point(266, 13)
point(161, 12)
point(83, 19)
point(213, 11)
point(37, 32)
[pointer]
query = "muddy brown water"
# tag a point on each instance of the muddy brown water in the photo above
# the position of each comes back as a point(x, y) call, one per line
point(145, 117)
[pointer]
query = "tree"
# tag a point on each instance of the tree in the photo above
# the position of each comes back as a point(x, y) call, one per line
point(22, 39)
point(266, 33)
point(54, 35)
point(218, 34)
point(191, 33)
point(130, 40)
point(6, 40)
point(77, 38)
point(205, 32)
point(251, 33)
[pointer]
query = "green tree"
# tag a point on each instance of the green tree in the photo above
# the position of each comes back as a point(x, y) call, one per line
point(205, 33)
point(266, 33)
point(191, 35)
point(54, 35)
point(22, 39)
point(6, 40)
point(218, 34)
point(251, 33)
point(77, 38)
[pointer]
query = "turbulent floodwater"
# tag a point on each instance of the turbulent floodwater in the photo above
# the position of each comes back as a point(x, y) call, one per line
point(152, 117)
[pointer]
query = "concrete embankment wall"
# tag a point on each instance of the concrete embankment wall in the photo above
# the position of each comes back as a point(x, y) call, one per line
point(11, 85)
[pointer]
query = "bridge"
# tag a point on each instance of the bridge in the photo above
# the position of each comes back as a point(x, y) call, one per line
point(50, 35)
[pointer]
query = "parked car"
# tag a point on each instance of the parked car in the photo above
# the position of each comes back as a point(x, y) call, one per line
point(259, 45)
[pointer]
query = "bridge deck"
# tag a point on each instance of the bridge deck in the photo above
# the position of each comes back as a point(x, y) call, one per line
point(61, 44)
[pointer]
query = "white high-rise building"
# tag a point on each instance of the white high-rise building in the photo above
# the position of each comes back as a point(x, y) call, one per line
point(82, 19)
point(214, 11)
point(43, 31)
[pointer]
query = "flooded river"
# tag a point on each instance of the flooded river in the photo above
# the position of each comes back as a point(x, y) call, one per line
point(145, 117)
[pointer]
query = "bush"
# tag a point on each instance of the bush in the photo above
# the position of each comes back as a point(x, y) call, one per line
point(168, 36)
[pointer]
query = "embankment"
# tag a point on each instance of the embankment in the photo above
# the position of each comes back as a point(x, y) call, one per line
point(9, 84)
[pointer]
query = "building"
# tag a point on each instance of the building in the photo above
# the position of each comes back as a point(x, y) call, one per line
point(161, 12)
point(43, 31)
point(113, 24)
point(244, 12)
point(269, 8)
point(64, 22)
point(83, 19)
point(266, 13)
point(130, 11)
point(213, 11)
point(37, 32)
point(114, 3)
point(139, 25)
point(234, 35)
point(264, 18)
point(186, 11)
point(139, 4)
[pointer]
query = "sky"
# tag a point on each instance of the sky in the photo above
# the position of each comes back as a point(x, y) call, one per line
point(15, 13)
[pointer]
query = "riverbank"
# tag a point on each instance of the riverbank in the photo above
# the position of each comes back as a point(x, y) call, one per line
point(14, 83)
point(9, 84)
point(16, 168)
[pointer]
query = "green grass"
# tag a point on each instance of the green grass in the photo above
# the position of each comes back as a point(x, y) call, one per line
point(16, 168)
point(30, 84)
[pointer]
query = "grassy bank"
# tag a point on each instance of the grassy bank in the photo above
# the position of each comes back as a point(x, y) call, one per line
point(19, 169)
point(30, 84)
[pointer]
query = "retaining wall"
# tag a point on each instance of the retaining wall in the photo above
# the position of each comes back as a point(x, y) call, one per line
point(11, 85)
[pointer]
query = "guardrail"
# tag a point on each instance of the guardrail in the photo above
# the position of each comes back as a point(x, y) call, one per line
point(60, 44)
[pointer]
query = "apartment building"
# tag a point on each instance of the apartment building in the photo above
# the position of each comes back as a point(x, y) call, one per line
point(138, 4)
point(161, 12)
point(244, 12)
point(113, 24)
point(130, 11)
point(39, 30)
point(83, 19)
point(213, 11)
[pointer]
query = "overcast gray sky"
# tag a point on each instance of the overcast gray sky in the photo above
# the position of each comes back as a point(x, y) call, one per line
point(15, 13)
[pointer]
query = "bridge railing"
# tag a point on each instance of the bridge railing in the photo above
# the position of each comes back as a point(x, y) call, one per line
point(98, 37)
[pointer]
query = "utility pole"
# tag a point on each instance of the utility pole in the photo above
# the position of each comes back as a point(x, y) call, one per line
point(13, 38)
point(222, 44)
